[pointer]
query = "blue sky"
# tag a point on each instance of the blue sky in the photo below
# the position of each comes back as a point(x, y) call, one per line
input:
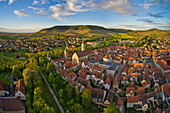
point(33, 15)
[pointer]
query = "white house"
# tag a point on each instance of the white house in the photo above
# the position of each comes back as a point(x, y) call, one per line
point(132, 100)
point(20, 89)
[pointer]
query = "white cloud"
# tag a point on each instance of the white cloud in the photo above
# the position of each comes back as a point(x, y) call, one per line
point(71, 7)
point(42, 13)
point(119, 6)
point(147, 6)
point(44, 1)
point(35, 2)
point(34, 8)
point(20, 13)
point(2, 0)
point(11, 1)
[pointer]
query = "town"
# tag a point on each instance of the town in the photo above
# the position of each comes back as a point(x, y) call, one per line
point(85, 75)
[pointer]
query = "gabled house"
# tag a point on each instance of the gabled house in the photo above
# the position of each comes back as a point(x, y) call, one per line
point(125, 71)
point(84, 64)
point(112, 69)
point(107, 81)
point(98, 95)
point(4, 90)
point(132, 100)
point(124, 80)
point(20, 89)
point(11, 105)
point(134, 77)
point(116, 82)
point(130, 91)
point(90, 88)
point(140, 90)
point(69, 65)
point(109, 98)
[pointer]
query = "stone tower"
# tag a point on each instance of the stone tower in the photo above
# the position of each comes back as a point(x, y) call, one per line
point(82, 45)
point(66, 52)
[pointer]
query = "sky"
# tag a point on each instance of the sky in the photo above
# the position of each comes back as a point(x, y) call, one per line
point(33, 15)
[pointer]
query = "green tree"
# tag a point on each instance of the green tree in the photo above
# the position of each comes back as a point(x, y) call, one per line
point(16, 72)
point(51, 78)
point(78, 108)
point(60, 93)
point(69, 90)
point(111, 109)
point(86, 98)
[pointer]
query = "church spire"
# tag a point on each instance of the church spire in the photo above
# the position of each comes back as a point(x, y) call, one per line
point(82, 45)
point(66, 52)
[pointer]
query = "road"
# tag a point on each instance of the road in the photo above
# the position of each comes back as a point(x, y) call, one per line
point(53, 94)
point(119, 71)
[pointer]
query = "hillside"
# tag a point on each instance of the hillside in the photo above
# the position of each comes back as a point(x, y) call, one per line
point(81, 30)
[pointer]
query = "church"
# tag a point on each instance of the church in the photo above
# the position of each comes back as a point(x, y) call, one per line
point(79, 57)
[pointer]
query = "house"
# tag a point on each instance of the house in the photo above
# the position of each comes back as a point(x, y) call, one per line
point(84, 64)
point(98, 75)
point(116, 82)
point(132, 100)
point(131, 60)
point(83, 81)
point(130, 91)
point(98, 95)
point(138, 66)
point(134, 77)
point(84, 76)
point(124, 80)
point(11, 105)
point(69, 65)
point(107, 81)
point(89, 44)
point(20, 89)
point(120, 104)
point(158, 110)
point(109, 98)
point(90, 88)
point(4, 90)
point(18, 55)
point(107, 58)
point(125, 71)
point(140, 90)
point(112, 69)
point(98, 69)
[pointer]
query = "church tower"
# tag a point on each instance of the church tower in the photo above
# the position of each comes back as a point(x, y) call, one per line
point(82, 45)
point(66, 52)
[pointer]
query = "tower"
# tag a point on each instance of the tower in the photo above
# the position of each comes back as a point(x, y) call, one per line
point(82, 45)
point(66, 52)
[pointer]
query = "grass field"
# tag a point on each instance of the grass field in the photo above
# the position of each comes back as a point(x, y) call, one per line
point(2, 77)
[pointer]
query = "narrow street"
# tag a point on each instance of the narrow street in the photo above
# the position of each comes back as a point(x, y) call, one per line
point(53, 94)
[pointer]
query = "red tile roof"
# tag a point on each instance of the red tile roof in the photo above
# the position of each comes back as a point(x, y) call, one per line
point(20, 86)
point(132, 99)
point(128, 89)
point(97, 68)
point(11, 104)
point(168, 76)
point(90, 88)
point(163, 64)
point(140, 90)
point(119, 102)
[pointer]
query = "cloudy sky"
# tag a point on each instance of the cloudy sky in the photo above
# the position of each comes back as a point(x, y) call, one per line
point(32, 15)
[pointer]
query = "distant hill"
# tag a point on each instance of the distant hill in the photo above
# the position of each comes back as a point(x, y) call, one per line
point(87, 30)
point(81, 30)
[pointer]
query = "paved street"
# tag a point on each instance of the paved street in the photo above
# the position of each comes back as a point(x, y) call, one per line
point(53, 94)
